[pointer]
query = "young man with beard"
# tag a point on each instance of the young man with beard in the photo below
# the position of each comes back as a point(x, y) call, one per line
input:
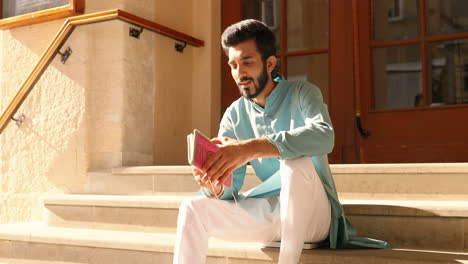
point(284, 130)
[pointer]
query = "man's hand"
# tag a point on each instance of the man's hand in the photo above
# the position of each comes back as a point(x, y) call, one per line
point(202, 179)
point(234, 154)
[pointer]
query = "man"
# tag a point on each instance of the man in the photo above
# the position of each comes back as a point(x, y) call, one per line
point(284, 130)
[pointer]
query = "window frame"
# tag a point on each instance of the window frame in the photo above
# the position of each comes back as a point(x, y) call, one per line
point(424, 40)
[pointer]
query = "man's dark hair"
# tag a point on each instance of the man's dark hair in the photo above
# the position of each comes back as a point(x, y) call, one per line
point(250, 29)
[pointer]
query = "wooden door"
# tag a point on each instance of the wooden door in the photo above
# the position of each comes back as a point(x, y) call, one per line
point(315, 43)
point(413, 80)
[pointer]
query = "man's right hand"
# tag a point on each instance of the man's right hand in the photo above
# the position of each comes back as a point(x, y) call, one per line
point(203, 181)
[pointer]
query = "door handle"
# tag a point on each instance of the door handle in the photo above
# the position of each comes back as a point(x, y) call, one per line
point(364, 132)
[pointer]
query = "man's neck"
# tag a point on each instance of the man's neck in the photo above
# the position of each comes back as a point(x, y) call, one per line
point(261, 98)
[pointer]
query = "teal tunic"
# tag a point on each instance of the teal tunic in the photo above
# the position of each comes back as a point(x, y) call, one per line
point(297, 122)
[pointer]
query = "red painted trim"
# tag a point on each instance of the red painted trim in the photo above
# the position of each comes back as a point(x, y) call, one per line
point(422, 34)
point(419, 109)
point(395, 43)
point(304, 52)
point(284, 37)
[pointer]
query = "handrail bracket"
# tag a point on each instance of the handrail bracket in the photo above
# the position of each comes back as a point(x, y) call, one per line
point(179, 47)
point(19, 121)
point(65, 55)
point(133, 32)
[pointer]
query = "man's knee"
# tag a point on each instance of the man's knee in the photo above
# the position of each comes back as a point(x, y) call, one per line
point(299, 170)
point(187, 208)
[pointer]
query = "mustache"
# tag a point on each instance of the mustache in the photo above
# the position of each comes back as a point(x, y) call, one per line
point(244, 79)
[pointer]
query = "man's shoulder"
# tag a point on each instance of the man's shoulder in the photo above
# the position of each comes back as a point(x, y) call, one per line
point(301, 87)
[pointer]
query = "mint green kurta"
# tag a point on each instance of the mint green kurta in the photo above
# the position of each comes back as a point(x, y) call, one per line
point(297, 122)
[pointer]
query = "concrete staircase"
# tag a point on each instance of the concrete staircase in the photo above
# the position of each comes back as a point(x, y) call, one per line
point(129, 215)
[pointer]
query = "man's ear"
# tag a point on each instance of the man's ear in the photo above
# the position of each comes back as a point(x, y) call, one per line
point(271, 63)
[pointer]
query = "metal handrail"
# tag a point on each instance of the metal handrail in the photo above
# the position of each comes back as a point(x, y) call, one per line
point(63, 34)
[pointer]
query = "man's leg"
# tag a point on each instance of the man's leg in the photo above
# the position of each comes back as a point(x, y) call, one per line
point(305, 209)
point(201, 218)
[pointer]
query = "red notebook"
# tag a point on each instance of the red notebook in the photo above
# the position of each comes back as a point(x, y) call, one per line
point(198, 147)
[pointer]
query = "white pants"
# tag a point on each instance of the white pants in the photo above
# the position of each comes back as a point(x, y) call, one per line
point(300, 214)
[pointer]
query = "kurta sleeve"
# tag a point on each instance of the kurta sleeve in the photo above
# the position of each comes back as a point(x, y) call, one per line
point(227, 130)
point(316, 137)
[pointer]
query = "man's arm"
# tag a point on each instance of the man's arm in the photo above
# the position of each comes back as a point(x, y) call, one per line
point(316, 137)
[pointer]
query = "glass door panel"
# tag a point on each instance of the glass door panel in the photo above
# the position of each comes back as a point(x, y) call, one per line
point(397, 77)
point(446, 16)
point(448, 78)
point(395, 19)
point(311, 68)
point(307, 24)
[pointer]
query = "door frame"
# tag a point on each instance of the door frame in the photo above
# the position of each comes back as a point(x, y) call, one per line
point(341, 73)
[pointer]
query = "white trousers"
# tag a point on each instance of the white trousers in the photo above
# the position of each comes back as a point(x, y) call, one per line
point(300, 214)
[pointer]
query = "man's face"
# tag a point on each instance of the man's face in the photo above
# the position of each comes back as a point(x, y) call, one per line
point(248, 69)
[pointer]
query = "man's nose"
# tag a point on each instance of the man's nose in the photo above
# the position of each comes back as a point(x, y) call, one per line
point(240, 72)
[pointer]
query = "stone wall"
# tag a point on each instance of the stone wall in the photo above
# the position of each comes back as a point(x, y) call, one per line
point(190, 93)
point(115, 102)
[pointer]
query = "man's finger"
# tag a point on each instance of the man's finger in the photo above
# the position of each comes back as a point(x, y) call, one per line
point(217, 141)
point(210, 161)
point(225, 175)
point(205, 179)
point(216, 170)
point(221, 172)
point(196, 171)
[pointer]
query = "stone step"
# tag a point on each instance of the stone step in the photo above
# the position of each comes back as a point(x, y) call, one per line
point(36, 243)
point(151, 180)
point(417, 224)
point(415, 181)
point(440, 181)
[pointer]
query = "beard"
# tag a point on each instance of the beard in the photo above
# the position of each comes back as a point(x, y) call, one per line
point(258, 85)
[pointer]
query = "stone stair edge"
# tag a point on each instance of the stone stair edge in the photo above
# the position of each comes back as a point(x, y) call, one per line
point(352, 207)
point(151, 242)
point(402, 196)
point(38, 232)
point(114, 200)
point(390, 168)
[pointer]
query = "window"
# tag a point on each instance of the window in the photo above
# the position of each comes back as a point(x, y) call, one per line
point(419, 53)
point(15, 13)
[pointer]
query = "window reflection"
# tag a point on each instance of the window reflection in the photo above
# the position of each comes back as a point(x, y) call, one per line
point(311, 68)
point(446, 16)
point(397, 77)
point(448, 78)
point(307, 24)
point(395, 19)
